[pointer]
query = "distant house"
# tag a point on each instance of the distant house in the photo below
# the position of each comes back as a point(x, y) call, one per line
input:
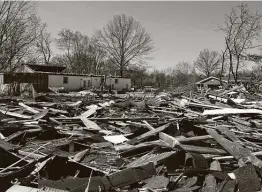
point(44, 76)
point(214, 83)
point(209, 83)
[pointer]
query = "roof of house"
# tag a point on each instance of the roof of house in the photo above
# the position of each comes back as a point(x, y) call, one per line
point(208, 79)
point(46, 68)
point(71, 74)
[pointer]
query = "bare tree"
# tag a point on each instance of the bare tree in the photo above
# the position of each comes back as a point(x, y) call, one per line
point(18, 31)
point(124, 40)
point(241, 28)
point(183, 67)
point(98, 56)
point(76, 49)
point(223, 65)
point(44, 44)
point(208, 62)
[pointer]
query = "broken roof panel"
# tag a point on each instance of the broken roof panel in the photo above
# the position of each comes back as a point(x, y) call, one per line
point(46, 68)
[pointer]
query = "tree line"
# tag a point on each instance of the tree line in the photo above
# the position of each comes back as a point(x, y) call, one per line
point(241, 29)
point(25, 39)
point(123, 46)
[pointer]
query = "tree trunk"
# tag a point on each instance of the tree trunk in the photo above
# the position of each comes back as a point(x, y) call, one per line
point(222, 67)
point(121, 71)
point(237, 67)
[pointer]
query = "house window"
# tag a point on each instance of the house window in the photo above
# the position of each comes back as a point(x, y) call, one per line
point(65, 80)
point(116, 80)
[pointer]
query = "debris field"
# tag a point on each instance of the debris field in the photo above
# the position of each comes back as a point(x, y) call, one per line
point(166, 142)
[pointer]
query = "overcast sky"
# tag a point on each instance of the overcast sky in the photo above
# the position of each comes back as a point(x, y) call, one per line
point(180, 30)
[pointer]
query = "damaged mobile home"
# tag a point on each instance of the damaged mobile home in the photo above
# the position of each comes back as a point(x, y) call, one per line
point(43, 77)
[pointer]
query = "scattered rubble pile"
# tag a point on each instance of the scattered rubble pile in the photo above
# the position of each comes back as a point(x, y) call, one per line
point(164, 143)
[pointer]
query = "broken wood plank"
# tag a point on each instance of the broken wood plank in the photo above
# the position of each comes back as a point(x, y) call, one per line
point(132, 175)
point(8, 146)
point(56, 110)
point(90, 111)
point(15, 114)
point(14, 135)
point(148, 125)
point(225, 131)
point(155, 158)
point(89, 124)
point(148, 134)
point(32, 110)
point(241, 154)
point(74, 104)
point(172, 142)
point(258, 153)
point(41, 114)
point(112, 119)
point(231, 111)
point(127, 147)
point(192, 139)
point(96, 184)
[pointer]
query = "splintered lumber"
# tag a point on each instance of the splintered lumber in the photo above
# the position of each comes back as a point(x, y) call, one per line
point(241, 154)
point(15, 114)
point(127, 147)
point(96, 184)
point(228, 111)
point(148, 125)
point(14, 135)
point(119, 179)
point(112, 118)
point(148, 134)
point(74, 104)
point(209, 184)
point(240, 121)
point(17, 187)
point(258, 153)
point(89, 124)
point(204, 105)
point(132, 175)
point(137, 124)
point(165, 111)
point(90, 111)
point(173, 142)
point(225, 131)
point(231, 90)
point(28, 108)
point(40, 115)
point(155, 158)
point(192, 139)
point(7, 146)
point(1, 171)
point(35, 156)
point(56, 110)
point(217, 98)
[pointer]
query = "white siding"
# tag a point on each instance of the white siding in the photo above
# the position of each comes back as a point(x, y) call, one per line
point(74, 82)
point(77, 82)
point(1, 78)
point(96, 82)
point(123, 83)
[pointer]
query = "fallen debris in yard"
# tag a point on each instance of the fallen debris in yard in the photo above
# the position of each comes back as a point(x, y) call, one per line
point(169, 142)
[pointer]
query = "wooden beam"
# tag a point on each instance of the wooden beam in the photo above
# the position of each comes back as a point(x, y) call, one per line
point(174, 143)
point(15, 114)
point(232, 111)
point(148, 134)
point(132, 175)
point(28, 108)
point(241, 154)
point(90, 124)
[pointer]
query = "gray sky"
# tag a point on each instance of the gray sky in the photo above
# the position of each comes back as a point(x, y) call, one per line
point(180, 30)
